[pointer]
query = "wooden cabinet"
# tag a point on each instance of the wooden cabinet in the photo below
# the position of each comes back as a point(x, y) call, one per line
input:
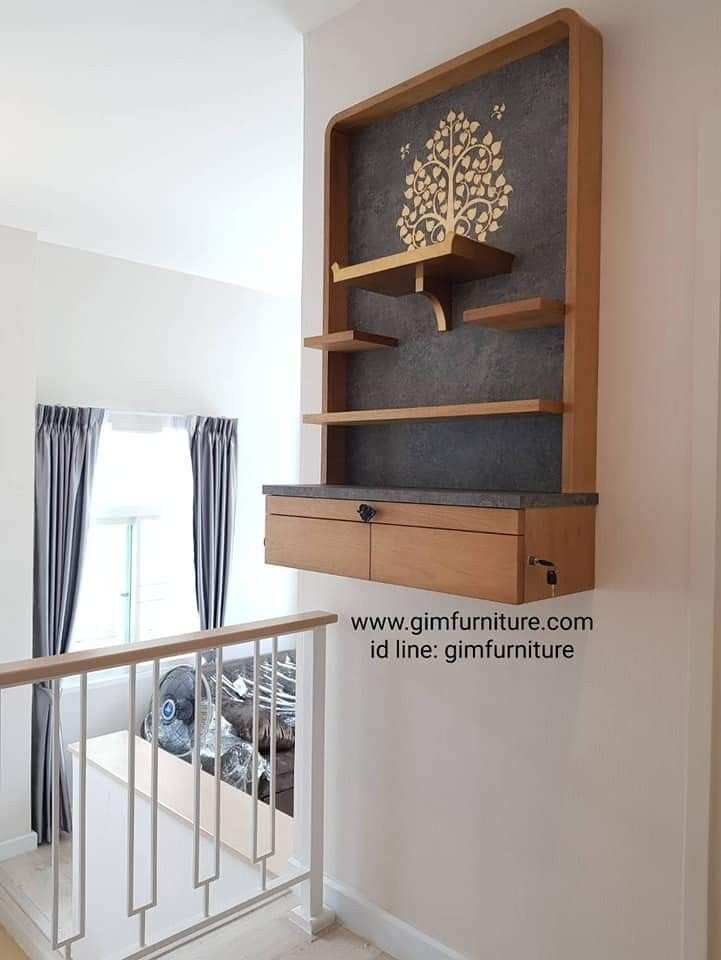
point(449, 561)
point(465, 551)
point(474, 443)
point(328, 546)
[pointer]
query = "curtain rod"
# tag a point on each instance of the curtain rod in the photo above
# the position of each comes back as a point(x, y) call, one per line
point(144, 421)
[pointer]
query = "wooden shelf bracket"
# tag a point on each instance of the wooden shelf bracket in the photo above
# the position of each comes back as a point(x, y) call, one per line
point(438, 292)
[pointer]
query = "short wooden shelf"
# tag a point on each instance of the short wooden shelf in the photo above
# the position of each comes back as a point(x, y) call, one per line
point(428, 270)
point(518, 314)
point(350, 418)
point(350, 341)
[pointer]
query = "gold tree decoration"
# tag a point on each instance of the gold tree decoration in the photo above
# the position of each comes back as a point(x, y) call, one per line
point(458, 188)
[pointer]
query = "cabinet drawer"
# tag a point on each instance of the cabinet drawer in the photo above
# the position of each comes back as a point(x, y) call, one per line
point(482, 519)
point(325, 509)
point(483, 565)
point(327, 546)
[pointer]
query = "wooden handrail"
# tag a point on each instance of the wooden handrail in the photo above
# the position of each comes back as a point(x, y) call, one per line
point(19, 672)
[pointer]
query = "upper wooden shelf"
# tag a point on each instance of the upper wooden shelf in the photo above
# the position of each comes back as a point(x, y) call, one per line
point(456, 259)
point(518, 314)
point(351, 418)
point(428, 270)
point(350, 341)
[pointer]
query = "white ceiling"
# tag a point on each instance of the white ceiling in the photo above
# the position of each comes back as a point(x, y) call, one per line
point(163, 131)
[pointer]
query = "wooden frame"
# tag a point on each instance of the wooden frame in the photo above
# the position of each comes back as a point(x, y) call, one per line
point(580, 374)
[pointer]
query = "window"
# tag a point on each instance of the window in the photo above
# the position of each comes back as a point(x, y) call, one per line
point(138, 580)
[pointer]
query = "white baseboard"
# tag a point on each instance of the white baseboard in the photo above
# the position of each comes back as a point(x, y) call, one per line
point(392, 935)
point(359, 915)
point(17, 846)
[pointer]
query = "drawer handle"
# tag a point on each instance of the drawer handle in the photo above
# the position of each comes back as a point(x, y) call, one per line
point(366, 512)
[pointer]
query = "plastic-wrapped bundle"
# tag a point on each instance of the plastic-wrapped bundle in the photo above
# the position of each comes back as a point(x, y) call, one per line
point(236, 759)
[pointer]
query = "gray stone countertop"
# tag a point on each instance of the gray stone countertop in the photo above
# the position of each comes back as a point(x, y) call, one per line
point(514, 500)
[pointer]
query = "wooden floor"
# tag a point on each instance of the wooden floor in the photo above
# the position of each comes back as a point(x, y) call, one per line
point(8, 949)
point(268, 934)
point(265, 934)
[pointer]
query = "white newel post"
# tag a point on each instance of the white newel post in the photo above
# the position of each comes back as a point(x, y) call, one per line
point(309, 779)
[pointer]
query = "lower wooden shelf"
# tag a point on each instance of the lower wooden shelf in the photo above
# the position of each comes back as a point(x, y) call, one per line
point(350, 341)
point(518, 314)
point(351, 418)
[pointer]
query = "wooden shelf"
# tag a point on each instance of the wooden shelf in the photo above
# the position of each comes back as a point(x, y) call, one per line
point(518, 314)
point(456, 259)
point(350, 341)
point(428, 270)
point(350, 418)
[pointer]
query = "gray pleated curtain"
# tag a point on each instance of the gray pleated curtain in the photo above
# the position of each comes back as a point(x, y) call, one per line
point(66, 444)
point(214, 459)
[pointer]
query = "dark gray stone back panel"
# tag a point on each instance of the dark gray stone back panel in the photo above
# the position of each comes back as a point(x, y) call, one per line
point(515, 453)
point(467, 363)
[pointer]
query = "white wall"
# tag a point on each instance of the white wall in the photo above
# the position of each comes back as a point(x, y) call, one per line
point(539, 811)
point(143, 133)
point(130, 337)
point(17, 418)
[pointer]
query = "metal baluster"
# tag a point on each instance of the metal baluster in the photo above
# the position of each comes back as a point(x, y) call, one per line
point(273, 741)
point(55, 813)
point(197, 771)
point(82, 826)
point(218, 751)
point(311, 915)
point(141, 910)
point(314, 890)
point(131, 793)
point(217, 776)
point(254, 768)
point(154, 785)
point(80, 859)
point(196, 774)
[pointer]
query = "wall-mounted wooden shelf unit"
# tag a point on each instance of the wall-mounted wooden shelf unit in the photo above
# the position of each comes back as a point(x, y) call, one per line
point(350, 341)
point(355, 418)
point(429, 270)
point(518, 314)
point(434, 538)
